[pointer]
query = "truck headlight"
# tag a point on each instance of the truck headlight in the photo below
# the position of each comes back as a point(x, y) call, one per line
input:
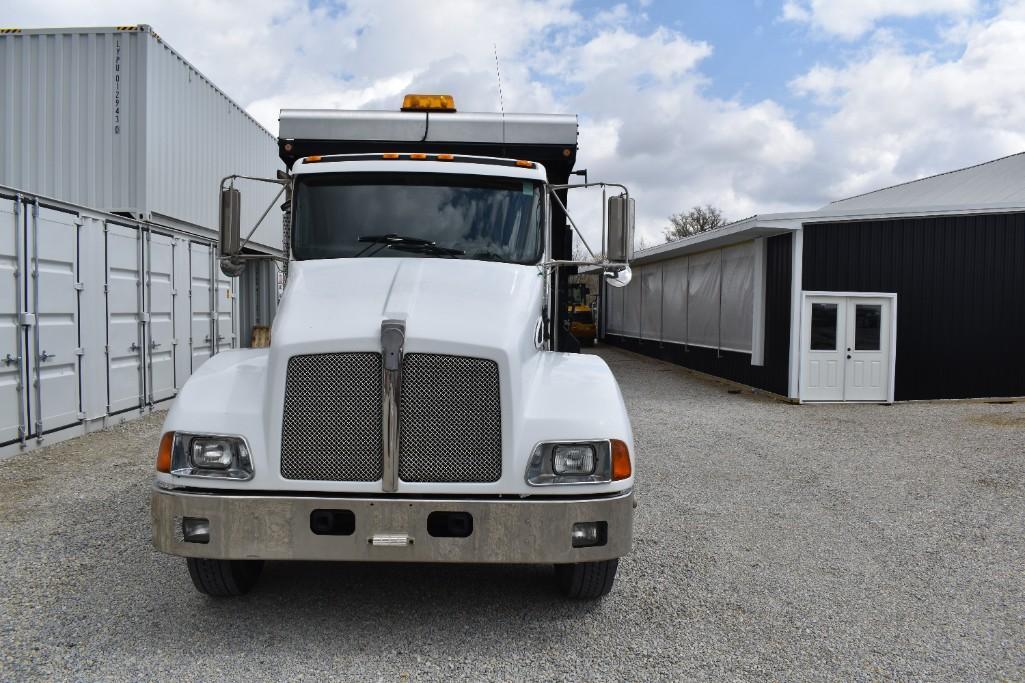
point(576, 458)
point(571, 462)
point(212, 453)
point(212, 456)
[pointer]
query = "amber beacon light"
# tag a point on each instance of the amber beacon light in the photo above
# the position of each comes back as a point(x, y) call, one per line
point(435, 103)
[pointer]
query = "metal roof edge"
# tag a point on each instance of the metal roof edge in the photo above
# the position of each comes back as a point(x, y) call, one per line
point(923, 178)
point(738, 231)
point(874, 213)
point(779, 223)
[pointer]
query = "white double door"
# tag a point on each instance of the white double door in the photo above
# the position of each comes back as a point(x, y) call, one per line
point(846, 348)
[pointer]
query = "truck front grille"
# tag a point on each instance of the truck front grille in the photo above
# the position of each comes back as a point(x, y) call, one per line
point(450, 413)
point(331, 427)
point(450, 419)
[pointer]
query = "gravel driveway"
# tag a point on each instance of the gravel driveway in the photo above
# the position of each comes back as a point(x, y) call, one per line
point(772, 541)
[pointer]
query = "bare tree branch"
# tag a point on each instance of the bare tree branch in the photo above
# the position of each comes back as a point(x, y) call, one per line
point(697, 220)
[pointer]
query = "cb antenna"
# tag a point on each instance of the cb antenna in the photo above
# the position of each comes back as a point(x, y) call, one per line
point(501, 100)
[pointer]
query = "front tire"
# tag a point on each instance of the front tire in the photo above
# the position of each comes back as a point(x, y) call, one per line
point(224, 578)
point(586, 580)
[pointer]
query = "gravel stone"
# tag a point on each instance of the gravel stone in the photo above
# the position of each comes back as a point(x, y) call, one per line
point(772, 541)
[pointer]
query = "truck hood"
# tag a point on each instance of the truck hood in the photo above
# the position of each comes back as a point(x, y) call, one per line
point(451, 306)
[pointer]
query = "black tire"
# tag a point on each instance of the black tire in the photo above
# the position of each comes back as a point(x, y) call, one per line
point(224, 578)
point(586, 580)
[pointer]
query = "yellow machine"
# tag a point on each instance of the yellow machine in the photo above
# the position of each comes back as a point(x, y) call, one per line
point(582, 324)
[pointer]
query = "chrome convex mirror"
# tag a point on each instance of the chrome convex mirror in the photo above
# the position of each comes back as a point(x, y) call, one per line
point(619, 277)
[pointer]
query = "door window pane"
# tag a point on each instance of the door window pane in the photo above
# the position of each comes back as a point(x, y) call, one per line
point(823, 327)
point(867, 327)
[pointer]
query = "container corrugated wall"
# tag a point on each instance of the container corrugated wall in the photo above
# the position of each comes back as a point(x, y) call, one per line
point(192, 125)
point(71, 116)
point(117, 121)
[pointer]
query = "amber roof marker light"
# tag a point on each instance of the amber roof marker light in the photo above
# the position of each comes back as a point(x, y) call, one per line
point(432, 103)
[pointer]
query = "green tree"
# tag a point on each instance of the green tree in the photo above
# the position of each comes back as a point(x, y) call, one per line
point(697, 220)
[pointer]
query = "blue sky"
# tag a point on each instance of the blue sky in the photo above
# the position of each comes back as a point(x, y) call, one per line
point(755, 106)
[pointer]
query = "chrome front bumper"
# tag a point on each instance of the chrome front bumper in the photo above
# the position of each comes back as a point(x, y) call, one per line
point(534, 530)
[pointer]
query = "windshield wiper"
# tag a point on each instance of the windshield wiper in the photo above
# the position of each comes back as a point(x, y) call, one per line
point(389, 240)
point(430, 249)
point(411, 244)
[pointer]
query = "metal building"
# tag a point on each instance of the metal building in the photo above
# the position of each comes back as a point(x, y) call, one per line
point(112, 148)
point(916, 291)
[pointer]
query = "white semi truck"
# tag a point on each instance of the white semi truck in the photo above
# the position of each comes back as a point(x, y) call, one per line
point(420, 399)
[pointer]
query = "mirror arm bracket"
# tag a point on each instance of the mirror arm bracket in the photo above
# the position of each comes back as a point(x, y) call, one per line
point(573, 223)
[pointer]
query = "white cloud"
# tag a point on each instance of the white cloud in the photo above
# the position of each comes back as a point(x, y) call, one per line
point(896, 115)
point(647, 118)
point(852, 18)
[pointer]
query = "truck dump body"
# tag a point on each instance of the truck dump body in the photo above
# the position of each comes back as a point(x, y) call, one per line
point(548, 139)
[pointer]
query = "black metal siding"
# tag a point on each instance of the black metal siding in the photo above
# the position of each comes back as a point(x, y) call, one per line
point(732, 365)
point(960, 285)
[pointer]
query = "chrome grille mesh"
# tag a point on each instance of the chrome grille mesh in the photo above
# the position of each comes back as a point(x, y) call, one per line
point(331, 427)
point(451, 419)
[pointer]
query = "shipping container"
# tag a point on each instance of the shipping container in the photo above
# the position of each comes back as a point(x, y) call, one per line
point(102, 317)
point(116, 120)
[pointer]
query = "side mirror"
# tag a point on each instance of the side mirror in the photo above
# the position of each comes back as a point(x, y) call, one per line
point(621, 230)
point(620, 277)
point(231, 222)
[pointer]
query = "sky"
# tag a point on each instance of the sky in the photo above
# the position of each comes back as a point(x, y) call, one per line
point(754, 106)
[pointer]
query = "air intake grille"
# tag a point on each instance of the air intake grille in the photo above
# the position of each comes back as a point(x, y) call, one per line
point(451, 419)
point(331, 428)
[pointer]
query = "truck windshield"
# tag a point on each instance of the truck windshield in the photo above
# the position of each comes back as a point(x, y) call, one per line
point(471, 217)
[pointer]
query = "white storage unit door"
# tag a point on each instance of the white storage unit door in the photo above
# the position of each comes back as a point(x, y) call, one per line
point(160, 347)
point(737, 297)
point(39, 360)
point(54, 361)
point(201, 303)
point(674, 301)
point(13, 414)
point(651, 302)
point(124, 308)
point(224, 311)
point(703, 306)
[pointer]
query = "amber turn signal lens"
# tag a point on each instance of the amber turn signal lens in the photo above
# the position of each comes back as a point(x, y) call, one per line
point(164, 454)
point(621, 468)
point(417, 156)
point(524, 164)
point(312, 160)
point(389, 155)
point(445, 157)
